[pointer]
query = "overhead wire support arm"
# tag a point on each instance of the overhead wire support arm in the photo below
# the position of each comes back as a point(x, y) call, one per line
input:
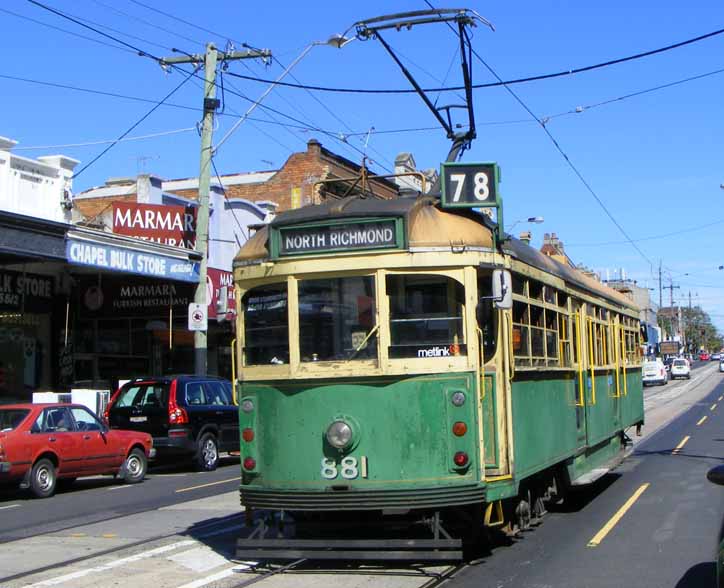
point(370, 29)
point(420, 91)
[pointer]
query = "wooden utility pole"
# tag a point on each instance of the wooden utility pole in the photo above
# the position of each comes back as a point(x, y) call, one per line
point(211, 103)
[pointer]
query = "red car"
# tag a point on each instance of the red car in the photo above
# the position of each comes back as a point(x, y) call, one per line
point(41, 444)
point(704, 356)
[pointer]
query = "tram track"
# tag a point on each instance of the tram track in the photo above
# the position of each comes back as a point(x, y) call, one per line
point(437, 579)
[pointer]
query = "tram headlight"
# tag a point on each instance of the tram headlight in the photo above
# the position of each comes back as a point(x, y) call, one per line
point(247, 405)
point(339, 435)
point(458, 398)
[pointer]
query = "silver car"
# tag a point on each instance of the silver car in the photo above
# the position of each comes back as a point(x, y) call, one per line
point(680, 369)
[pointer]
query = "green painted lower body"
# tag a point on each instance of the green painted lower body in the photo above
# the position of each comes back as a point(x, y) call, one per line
point(401, 454)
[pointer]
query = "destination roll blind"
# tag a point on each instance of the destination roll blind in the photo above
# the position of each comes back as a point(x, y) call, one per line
point(347, 236)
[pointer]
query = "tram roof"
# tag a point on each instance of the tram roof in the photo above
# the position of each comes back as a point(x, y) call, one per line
point(575, 277)
point(428, 226)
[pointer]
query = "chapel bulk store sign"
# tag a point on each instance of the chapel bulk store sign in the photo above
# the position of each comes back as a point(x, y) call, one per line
point(131, 261)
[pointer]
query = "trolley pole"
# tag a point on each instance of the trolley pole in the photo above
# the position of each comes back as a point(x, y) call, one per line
point(211, 103)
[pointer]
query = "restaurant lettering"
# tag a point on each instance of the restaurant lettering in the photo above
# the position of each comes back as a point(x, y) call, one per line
point(169, 225)
point(369, 235)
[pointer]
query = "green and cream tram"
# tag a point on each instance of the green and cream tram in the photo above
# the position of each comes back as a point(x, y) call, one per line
point(395, 356)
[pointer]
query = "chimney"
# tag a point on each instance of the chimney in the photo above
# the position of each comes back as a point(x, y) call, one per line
point(314, 147)
point(526, 237)
point(148, 189)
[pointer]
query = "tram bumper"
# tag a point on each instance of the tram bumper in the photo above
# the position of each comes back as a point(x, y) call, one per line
point(353, 499)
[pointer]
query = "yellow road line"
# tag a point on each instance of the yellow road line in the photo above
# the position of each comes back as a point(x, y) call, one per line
point(681, 444)
point(207, 485)
point(701, 420)
point(713, 406)
point(601, 535)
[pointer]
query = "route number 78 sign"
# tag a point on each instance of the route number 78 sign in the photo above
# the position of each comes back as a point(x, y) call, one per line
point(469, 185)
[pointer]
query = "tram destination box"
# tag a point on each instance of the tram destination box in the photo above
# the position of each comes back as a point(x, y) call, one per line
point(470, 185)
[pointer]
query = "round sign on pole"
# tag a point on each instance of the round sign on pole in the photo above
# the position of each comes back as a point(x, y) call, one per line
point(198, 317)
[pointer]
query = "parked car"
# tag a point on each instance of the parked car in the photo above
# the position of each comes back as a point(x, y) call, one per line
point(680, 369)
point(703, 356)
point(721, 365)
point(42, 444)
point(715, 356)
point(654, 372)
point(667, 363)
point(188, 416)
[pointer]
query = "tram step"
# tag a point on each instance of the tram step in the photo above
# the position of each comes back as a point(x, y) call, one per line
point(417, 550)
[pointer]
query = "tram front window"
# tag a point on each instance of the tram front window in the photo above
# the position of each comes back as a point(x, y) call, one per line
point(337, 319)
point(266, 329)
point(426, 316)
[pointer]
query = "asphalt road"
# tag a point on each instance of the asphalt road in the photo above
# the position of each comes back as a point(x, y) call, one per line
point(90, 500)
point(668, 536)
point(178, 528)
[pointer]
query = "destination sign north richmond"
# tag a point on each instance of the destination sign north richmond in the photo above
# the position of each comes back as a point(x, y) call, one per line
point(349, 236)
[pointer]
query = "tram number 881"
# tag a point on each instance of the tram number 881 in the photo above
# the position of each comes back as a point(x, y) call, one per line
point(349, 468)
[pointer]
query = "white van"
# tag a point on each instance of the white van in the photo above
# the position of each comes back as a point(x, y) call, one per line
point(654, 372)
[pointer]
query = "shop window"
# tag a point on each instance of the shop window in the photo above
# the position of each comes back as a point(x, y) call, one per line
point(266, 329)
point(114, 337)
point(84, 336)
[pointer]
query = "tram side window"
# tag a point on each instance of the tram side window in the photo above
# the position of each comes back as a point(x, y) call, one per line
point(337, 318)
point(541, 334)
point(426, 316)
point(266, 328)
point(487, 317)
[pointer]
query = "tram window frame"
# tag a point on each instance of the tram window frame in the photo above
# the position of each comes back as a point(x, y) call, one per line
point(537, 320)
point(338, 341)
point(487, 317)
point(398, 287)
point(280, 325)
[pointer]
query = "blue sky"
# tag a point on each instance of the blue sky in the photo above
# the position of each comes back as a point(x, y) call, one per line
point(654, 160)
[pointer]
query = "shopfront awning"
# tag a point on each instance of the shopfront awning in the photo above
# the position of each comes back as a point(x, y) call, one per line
point(25, 239)
point(115, 253)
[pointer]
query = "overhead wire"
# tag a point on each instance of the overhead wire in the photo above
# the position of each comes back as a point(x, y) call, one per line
point(133, 126)
point(144, 53)
point(500, 82)
point(149, 24)
point(188, 23)
point(125, 34)
point(650, 238)
point(74, 34)
point(563, 154)
point(106, 141)
point(226, 197)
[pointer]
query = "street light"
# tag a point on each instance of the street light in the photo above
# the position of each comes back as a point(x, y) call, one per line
point(337, 41)
point(531, 219)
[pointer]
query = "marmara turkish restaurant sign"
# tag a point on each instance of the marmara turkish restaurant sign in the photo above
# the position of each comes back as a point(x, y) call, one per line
point(165, 224)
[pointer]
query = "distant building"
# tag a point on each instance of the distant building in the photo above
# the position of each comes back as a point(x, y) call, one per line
point(648, 313)
point(41, 188)
point(553, 247)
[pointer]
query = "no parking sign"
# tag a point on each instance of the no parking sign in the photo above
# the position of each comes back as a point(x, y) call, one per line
point(198, 317)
